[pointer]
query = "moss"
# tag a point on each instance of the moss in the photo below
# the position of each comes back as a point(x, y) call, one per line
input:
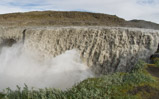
point(1, 95)
point(151, 65)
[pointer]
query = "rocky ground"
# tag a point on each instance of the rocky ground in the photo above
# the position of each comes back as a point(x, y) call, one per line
point(63, 18)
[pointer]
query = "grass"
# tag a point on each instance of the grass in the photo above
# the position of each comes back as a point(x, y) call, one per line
point(133, 85)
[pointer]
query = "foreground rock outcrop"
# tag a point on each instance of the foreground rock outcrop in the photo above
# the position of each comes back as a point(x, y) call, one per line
point(104, 49)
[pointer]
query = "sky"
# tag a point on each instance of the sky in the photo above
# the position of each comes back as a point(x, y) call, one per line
point(127, 9)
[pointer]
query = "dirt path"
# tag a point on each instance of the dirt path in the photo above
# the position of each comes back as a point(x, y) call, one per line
point(154, 71)
point(148, 92)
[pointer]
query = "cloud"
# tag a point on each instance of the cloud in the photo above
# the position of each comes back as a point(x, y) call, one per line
point(127, 9)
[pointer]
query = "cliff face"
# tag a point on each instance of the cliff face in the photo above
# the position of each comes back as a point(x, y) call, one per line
point(104, 49)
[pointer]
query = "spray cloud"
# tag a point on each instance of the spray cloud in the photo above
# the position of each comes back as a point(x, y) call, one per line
point(18, 66)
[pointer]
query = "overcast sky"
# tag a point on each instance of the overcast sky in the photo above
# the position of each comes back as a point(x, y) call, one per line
point(127, 9)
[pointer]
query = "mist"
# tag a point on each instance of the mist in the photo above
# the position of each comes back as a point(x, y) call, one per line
point(19, 66)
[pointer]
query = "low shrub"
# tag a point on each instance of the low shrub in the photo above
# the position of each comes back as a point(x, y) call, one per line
point(117, 85)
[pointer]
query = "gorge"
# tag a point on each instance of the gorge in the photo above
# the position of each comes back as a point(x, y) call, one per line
point(62, 49)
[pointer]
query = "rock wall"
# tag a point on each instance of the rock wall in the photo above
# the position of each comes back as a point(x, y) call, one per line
point(104, 49)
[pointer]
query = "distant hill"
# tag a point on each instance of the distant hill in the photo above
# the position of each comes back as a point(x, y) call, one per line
point(143, 24)
point(73, 18)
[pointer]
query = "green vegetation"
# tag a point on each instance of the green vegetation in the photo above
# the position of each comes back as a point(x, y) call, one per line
point(137, 84)
point(1, 95)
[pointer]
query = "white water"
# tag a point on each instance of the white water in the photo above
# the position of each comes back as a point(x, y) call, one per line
point(18, 67)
